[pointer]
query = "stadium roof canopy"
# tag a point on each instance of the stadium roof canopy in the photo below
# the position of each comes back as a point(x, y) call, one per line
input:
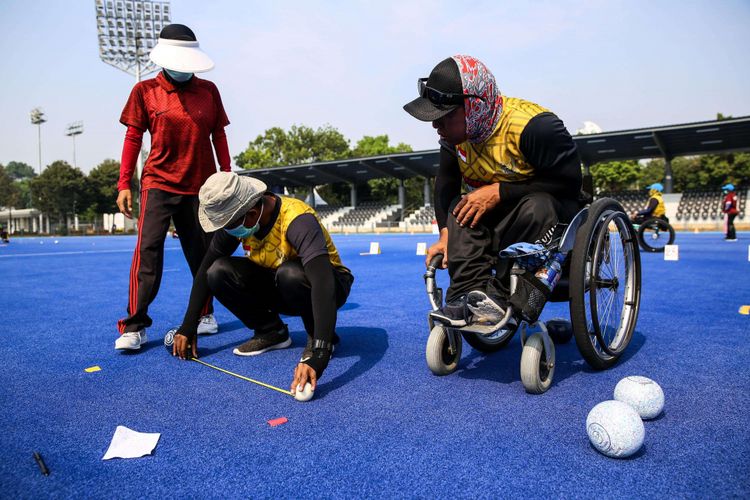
point(667, 142)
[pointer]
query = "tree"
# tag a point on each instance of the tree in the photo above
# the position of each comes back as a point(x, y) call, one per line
point(300, 145)
point(9, 192)
point(377, 145)
point(60, 190)
point(615, 175)
point(386, 188)
point(18, 170)
point(24, 190)
point(382, 189)
point(102, 183)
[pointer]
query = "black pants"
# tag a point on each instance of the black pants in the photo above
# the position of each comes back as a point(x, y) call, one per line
point(731, 233)
point(157, 208)
point(473, 253)
point(257, 295)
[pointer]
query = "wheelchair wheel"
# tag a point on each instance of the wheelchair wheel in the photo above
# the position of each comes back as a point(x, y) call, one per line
point(654, 234)
point(605, 284)
point(537, 365)
point(489, 343)
point(440, 359)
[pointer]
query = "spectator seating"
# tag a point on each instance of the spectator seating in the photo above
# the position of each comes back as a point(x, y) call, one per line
point(362, 214)
point(326, 210)
point(422, 216)
point(391, 220)
point(705, 205)
point(631, 200)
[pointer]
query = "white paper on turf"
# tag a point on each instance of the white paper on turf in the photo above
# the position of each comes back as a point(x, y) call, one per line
point(127, 443)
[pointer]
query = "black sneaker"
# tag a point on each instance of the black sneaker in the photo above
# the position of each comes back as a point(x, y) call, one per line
point(308, 351)
point(265, 342)
point(453, 313)
point(484, 308)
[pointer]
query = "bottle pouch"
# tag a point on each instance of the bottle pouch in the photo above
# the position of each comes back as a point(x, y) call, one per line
point(530, 296)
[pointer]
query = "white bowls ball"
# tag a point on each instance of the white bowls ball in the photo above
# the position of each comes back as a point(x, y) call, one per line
point(643, 394)
point(615, 429)
point(305, 394)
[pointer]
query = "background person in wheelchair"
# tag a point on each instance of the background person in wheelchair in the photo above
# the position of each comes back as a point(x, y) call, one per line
point(654, 206)
point(523, 173)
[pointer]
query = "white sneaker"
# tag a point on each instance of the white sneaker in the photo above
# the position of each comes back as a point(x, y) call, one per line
point(131, 340)
point(207, 325)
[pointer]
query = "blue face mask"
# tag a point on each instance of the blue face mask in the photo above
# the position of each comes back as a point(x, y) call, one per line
point(242, 231)
point(178, 76)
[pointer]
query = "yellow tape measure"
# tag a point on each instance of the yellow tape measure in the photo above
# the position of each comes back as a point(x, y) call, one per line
point(242, 377)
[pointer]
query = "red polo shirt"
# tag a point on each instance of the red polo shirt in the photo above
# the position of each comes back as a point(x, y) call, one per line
point(180, 121)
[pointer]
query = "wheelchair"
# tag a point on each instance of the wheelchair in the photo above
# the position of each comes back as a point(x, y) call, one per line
point(601, 280)
point(654, 234)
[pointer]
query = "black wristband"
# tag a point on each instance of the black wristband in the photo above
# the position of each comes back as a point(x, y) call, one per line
point(318, 361)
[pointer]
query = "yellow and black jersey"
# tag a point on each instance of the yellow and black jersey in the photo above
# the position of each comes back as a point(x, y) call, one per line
point(275, 246)
point(499, 158)
point(530, 151)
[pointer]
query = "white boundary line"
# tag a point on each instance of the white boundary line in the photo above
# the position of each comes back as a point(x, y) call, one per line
point(81, 252)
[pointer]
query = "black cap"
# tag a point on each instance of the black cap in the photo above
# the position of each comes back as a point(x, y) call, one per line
point(177, 32)
point(445, 77)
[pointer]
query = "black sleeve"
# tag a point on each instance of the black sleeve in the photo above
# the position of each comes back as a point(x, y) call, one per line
point(323, 295)
point(222, 244)
point(652, 203)
point(549, 148)
point(447, 183)
point(306, 236)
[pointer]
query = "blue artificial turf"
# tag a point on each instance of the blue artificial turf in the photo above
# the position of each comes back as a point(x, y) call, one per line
point(380, 425)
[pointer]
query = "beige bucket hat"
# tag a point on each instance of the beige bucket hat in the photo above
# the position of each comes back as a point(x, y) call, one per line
point(224, 196)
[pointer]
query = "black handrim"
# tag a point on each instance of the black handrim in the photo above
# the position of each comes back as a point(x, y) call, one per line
point(611, 286)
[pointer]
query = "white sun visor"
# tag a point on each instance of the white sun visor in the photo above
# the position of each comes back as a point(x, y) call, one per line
point(180, 55)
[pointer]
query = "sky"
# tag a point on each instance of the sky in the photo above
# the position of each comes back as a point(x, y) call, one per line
point(353, 65)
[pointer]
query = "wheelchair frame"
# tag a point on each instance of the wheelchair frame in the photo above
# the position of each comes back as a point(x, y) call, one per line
point(538, 359)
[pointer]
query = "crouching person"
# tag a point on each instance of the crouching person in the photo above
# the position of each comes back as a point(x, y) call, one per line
point(290, 267)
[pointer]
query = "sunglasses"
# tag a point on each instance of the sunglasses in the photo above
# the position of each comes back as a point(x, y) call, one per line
point(439, 97)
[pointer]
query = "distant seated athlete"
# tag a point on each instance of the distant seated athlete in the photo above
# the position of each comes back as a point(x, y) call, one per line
point(654, 207)
point(523, 174)
point(290, 267)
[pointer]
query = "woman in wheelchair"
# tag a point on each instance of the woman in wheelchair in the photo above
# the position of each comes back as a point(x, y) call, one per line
point(654, 207)
point(523, 175)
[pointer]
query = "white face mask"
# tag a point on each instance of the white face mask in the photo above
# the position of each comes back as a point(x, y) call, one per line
point(178, 76)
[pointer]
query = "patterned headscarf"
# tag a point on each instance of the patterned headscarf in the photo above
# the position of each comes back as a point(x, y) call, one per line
point(481, 115)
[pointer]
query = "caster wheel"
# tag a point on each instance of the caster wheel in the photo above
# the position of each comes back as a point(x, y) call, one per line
point(440, 359)
point(536, 372)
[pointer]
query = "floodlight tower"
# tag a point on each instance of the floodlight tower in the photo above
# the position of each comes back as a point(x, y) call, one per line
point(37, 118)
point(128, 30)
point(72, 130)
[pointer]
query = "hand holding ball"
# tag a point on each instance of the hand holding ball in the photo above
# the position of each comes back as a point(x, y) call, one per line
point(305, 394)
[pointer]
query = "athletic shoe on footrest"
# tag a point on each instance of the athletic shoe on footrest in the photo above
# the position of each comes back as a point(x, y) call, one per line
point(484, 308)
point(453, 313)
point(131, 340)
point(265, 342)
point(207, 325)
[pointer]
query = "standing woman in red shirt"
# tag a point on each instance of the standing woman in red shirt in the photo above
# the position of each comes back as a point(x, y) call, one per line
point(730, 208)
point(184, 115)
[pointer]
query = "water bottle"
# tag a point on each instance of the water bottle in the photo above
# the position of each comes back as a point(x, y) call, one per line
point(550, 273)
